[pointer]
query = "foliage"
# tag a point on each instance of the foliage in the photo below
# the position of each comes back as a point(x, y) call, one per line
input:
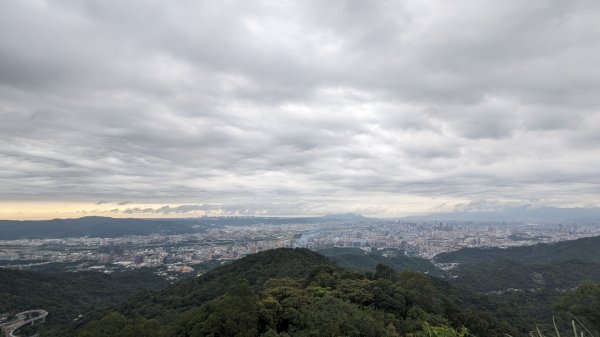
point(289, 292)
point(584, 303)
point(504, 275)
point(552, 330)
point(359, 259)
point(526, 280)
point(256, 269)
point(443, 331)
point(67, 295)
point(586, 249)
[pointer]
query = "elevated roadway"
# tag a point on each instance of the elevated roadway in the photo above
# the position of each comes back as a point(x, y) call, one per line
point(23, 318)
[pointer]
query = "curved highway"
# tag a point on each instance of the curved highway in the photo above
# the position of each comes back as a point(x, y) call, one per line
point(23, 318)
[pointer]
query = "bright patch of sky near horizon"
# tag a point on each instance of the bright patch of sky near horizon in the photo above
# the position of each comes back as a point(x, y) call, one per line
point(385, 108)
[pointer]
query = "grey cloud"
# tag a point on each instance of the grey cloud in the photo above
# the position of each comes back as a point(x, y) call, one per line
point(293, 107)
point(184, 208)
point(167, 209)
point(139, 210)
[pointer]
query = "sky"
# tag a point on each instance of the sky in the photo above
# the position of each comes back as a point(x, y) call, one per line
point(386, 108)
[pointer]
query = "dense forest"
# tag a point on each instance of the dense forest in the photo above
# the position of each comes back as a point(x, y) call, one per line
point(586, 249)
point(67, 295)
point(300, 293)
point(356, 258)
point(297, 292)
point(533, 277)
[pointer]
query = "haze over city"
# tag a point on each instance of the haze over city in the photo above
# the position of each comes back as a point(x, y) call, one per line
point(387, 109)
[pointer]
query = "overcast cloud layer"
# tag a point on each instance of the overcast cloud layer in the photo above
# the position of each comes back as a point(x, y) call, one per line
point(300, 107)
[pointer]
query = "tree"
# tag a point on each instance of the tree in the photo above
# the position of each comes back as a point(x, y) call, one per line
point(584, 303)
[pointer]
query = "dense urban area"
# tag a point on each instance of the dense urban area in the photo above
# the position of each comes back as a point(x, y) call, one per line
point(178, 253)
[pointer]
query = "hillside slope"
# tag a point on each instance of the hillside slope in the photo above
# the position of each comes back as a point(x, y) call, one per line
point(67, 295)
point(361, 260)
point(585, 249)
point(92, 226)
point(296, 292)
point(534, 278)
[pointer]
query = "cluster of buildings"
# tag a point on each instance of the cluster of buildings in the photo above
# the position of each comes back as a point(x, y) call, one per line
point(179, 253)
point(427, 239)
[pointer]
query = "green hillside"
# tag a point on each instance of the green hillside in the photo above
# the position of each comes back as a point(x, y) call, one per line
point(586, 249)
point(296, 292)
point(534, 278)
point(255, 269)
point(67, 295)
point(359, 259)
point(505, 275)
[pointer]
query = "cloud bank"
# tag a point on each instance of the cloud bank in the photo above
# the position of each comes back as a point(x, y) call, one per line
point(301, 107)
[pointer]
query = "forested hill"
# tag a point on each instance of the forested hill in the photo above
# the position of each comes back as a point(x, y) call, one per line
point(359, 259)
point(533, 277)
point(67, 295)
point(93, 226)
point(255, 269)
point(542, 267)
point(296, 292)
point(586, 249)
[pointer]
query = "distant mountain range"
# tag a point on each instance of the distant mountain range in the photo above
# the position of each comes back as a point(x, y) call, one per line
point(96, 226)
point(520, 214)
point(92, 226)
